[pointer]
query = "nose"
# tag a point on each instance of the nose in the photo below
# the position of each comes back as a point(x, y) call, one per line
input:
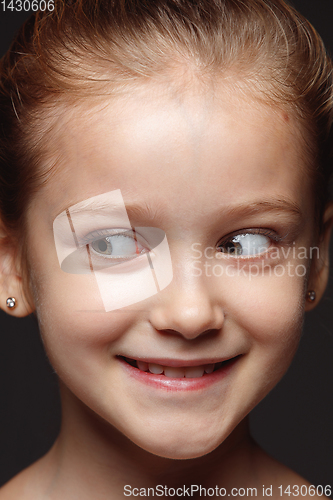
point(189, 307)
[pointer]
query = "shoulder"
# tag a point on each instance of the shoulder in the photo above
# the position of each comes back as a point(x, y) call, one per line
point(24, 486)
point(28, 484)
point(283, 483)
point(17, 488)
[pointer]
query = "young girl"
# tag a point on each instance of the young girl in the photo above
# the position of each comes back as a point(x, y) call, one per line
point(165, 214)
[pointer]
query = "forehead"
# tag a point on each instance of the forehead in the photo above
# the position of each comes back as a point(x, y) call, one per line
point(163, 145)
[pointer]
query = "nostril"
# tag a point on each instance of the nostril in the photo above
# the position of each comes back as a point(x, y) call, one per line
point(211, 331)
point(170, 331)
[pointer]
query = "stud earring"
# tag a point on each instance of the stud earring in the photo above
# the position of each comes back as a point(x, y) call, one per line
point(311, 296)
point(11, 302)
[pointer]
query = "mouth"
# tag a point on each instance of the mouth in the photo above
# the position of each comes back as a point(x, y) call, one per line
point(178, 372)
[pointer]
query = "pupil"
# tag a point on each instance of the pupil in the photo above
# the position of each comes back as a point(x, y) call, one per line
point(230, 247)
point(102, 246)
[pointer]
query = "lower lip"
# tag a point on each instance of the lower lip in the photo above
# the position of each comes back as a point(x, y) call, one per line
point(179, 384)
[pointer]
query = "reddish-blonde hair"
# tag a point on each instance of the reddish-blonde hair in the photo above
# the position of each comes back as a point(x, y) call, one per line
point(86, 48)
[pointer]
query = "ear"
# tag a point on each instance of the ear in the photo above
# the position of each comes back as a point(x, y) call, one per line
point(319, 270)
point(11, 282)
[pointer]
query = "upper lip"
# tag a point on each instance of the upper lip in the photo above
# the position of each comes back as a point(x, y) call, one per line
point(177, 363)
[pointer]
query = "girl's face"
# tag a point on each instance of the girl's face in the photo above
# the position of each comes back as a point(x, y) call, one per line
point(224, 179)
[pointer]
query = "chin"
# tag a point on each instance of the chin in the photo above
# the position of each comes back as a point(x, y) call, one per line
point(179, 452)
point(179, 445)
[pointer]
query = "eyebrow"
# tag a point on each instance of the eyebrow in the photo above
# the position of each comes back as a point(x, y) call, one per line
point(278, 205)
point(98, 207)
point(91, 205)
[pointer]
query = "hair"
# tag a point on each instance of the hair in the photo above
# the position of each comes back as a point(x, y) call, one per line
point(89, 48)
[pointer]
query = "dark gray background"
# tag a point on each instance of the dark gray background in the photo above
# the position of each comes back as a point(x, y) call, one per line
point(294, 423)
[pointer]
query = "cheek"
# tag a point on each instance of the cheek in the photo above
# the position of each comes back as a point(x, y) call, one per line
point(274, 309)
point(74, 327)
point(269, 310)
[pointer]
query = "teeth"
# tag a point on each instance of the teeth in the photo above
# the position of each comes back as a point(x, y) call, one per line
point(194, 371)
point(142, 366)
point(177, 372)
point(157, 369)
point(172, 372)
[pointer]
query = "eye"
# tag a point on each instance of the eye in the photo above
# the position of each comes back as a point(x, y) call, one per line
point(247, 244)
point(118, 246)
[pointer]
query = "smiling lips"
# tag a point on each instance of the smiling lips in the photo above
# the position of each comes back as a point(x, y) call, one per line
point(177, 372)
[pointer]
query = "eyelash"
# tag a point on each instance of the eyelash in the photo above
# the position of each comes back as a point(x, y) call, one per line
point(88, 241)
point(262, 231)
point(272, 235)
point(100, 234)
